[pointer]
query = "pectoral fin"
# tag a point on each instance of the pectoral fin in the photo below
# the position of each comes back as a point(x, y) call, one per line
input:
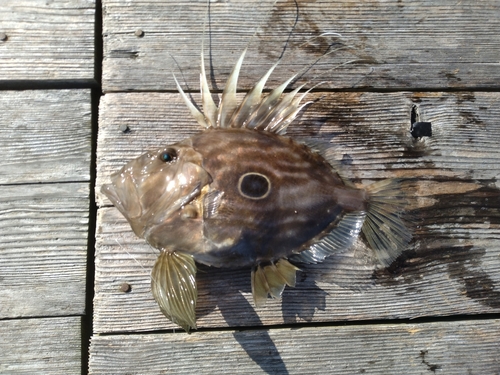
point(271, 279)
point(173, 284)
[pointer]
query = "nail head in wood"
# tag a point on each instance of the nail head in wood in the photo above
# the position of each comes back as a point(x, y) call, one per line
point(125, 287)
point(124, 128)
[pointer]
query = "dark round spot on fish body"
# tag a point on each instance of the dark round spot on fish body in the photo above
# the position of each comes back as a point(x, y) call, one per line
point(254, 185)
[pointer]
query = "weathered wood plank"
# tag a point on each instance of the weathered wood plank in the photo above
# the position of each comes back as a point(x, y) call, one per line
point(451, 268)
point(398, 45)
point(371, 129)
point(47, 40)
point(41, 346)
point(43, 241)
point(443, 348)
point(46, 136)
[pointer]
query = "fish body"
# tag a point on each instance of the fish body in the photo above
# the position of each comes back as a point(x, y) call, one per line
point(242, 194)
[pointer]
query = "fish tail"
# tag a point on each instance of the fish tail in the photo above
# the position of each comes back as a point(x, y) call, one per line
point(173, 284)
point(271, 279)
point(383, 228)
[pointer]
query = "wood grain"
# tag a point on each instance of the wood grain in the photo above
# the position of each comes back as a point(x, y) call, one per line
point(369, 130)
point(43, 227)
point(390, 44)
point(444, 347)
point(47, 40)
point(394, 63)
point(450, 268)
point(46, 136)
point(41, 346)
point(43, 242)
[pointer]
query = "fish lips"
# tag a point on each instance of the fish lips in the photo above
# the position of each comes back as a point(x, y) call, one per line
point(129, 196)
point(122, 192)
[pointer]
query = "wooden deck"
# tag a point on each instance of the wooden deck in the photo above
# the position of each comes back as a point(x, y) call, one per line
point(435, 310)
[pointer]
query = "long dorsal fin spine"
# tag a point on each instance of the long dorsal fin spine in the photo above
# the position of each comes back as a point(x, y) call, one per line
point(250, 102)
point(199, 116)
point(228, 104)
point(257, 119)
point(209, 106)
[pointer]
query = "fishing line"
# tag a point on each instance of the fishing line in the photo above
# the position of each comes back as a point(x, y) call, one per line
point(133, 257)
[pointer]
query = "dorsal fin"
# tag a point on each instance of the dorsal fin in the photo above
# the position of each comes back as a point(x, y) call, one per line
point(272, 113)
point(228, 103)
point(251, 100)
point(209, 106)
point(197, 114)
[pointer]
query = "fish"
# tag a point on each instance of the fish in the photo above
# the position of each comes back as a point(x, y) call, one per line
point(242, 194)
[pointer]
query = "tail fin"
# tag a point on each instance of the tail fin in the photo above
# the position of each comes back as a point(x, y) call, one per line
point(383, 229)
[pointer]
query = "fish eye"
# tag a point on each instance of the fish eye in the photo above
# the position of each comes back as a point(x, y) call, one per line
point(168, 156)
point(254, 185)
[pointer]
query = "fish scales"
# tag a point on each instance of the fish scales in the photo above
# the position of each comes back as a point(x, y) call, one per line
point(242, 194)
point(298, 205)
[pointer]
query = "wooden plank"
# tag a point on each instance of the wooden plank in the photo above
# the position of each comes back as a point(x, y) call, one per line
point(371, 129)
point(46, 136)
point(451, 271)
point(43, 237)
point(394, 44)
point(444, 347)
point(451, 268)
point(41, 346)
point(47, 40)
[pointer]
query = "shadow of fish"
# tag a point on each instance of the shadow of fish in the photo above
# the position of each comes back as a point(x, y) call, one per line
point(242, 194)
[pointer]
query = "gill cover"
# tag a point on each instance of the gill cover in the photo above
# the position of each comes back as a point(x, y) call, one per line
point(151, 188)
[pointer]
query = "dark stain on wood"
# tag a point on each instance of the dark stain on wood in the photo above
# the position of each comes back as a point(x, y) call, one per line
point(464, 263)
point(125, 53)
point(450, 267)
point(430, 367)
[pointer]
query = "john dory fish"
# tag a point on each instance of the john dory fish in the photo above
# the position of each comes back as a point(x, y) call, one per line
point(242, 194)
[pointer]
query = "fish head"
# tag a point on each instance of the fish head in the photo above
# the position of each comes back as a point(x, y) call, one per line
point(151, 189)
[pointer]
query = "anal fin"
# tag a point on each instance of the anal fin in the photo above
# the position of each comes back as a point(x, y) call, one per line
point(173, 284)
point(340, 239)
point(271, 279)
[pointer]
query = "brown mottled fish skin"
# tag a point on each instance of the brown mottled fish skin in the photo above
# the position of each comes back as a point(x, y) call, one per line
point(240, 193)
point(302, 197)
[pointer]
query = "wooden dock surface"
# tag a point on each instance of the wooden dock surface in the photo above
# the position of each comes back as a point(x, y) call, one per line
point(436, 309)
point(47, 50)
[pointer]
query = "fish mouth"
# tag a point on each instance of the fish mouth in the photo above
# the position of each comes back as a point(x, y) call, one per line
point(124, 197)
point(109, 191)
point(150, 202)
point(129, 206)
